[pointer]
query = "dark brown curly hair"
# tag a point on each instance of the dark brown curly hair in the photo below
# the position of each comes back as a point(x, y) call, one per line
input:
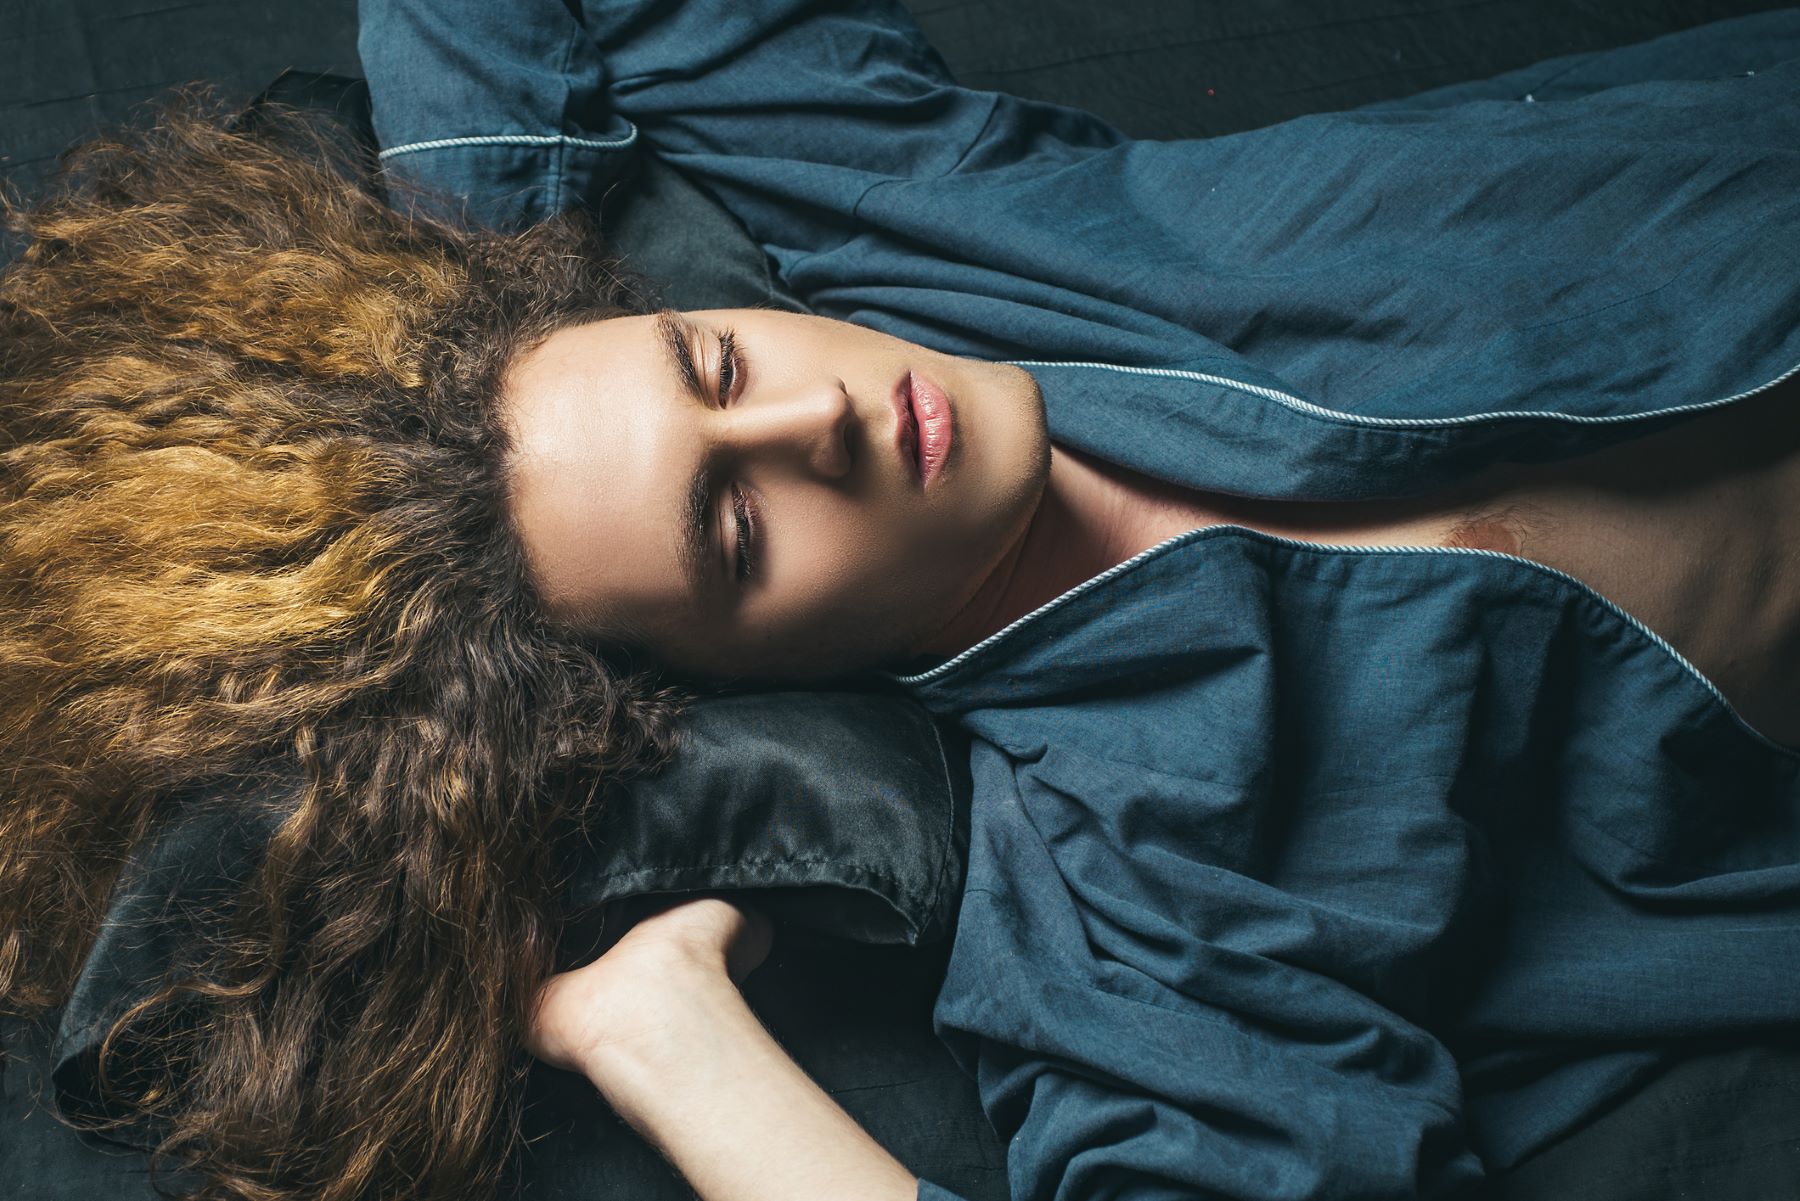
point(251, 513)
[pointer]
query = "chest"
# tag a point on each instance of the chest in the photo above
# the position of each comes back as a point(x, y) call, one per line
point(1694, 531)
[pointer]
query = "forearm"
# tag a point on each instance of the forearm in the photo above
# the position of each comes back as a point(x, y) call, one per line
point(717, 1095)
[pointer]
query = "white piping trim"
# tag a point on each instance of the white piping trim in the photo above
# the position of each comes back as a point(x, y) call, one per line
point(926, 677)
point(1294, 402)
point(513, 139)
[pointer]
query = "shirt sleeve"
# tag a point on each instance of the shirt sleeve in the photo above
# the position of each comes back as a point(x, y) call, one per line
point(1348, 257)
point(526, 107)
point(794, 115)
point(791, 112)
point(1170, 987)
point(497, 109)
point(1098, 1095)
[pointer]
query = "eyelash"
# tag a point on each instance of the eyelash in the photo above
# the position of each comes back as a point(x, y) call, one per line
point(731, 373)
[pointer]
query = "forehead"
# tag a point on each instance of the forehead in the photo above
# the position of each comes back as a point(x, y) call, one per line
point(602, 449)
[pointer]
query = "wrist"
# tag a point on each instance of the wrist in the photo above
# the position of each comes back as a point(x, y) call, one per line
point(669, 1006)
point(702, 1081)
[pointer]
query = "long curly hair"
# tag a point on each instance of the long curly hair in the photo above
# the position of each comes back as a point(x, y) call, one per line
point(251, 519)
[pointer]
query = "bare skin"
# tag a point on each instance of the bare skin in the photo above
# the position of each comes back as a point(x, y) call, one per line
point(658, 1026)
point(1691, 530)
point(851, 558)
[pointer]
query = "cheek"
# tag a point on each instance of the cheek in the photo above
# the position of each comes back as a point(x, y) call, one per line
point(845, 563)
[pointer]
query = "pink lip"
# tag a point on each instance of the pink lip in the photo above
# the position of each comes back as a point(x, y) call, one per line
point(936, 422)
point(906, 429)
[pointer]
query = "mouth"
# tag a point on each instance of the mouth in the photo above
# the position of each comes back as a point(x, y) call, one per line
point(925, 427)
point(906, 430)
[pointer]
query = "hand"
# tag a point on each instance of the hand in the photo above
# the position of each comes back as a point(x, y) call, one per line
point(659, 1028)
point(634, 988)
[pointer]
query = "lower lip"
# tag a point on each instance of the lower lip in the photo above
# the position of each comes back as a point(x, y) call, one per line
point(936, 424)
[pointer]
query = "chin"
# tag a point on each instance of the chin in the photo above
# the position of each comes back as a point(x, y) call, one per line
point(1037, 437)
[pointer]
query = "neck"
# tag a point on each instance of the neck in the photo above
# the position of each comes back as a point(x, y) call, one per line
point(1080, 528)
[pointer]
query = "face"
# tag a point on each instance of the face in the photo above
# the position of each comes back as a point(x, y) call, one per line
point(775, 525)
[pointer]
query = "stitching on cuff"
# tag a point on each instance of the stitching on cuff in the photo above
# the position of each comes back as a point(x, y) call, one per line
point(514, 139)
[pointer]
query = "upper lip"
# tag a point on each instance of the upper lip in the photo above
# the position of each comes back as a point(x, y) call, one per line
point(906, 429)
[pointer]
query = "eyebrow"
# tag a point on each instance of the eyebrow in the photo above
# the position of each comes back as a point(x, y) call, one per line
point(691, 548)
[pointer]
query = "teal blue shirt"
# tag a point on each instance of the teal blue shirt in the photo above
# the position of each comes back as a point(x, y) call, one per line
point(1296, 871)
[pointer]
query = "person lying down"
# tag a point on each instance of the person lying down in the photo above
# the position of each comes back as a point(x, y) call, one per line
point(1361, 550)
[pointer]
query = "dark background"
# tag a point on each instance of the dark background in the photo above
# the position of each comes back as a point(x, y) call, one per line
point(1154, 68)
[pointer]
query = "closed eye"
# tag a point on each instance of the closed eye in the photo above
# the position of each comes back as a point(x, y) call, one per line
point(731, 366)
point(746, 534)
point(731, 377)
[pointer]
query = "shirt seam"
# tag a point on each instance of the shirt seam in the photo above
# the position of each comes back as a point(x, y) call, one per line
point(934, 675)
point(534, 140)
point(1407, 424)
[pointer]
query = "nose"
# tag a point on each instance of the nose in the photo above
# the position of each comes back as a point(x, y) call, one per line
point(806, 428)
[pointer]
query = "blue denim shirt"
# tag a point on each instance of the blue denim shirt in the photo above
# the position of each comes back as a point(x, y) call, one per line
point(1296, 871)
